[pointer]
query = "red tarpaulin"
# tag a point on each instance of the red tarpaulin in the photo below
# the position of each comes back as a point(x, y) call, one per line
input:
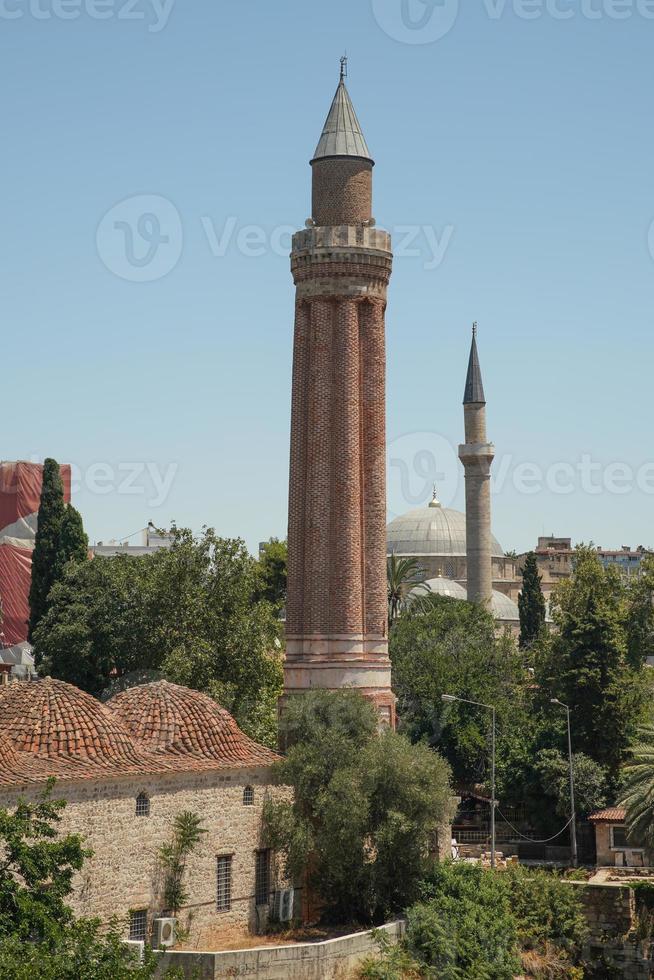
point(20, 492)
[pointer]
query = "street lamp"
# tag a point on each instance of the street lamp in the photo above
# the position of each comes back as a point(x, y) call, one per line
point(480, 704)
point(573, 827)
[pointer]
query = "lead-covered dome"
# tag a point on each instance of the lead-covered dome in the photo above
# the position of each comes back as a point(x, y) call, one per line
point(175, 721)
point(56, 722)
point(432, 530)
point(443, 586)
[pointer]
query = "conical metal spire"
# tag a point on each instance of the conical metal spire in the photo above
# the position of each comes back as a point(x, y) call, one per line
point(474, 393)
point(342, 135)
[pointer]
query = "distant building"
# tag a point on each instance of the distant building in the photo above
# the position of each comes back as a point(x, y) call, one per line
point(151, 541)
point(555, 557)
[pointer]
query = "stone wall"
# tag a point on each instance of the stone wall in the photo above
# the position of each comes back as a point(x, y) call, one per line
point(301, 961)
point(610, 912)
point(123, 873)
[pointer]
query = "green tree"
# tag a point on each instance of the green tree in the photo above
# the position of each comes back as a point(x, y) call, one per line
point(187, 834)
point(39, 936)
point(453, 650)
point(360, 799)
point(531, 603)
point(584, 662)
point(188, 611)
point(638, 789)
point(73, 542)
point(271, 568)
point(403, 575)
point(640, 619)
point(46, 545)
point(589, 777)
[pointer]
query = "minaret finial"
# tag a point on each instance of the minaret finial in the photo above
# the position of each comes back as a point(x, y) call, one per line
point(474, 329)
point(344, 66)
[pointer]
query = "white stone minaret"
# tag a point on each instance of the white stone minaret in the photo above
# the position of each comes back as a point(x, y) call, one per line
point(476, 454)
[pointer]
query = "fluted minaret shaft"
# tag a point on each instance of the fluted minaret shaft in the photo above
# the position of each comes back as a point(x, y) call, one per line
point(336, 625)
point(476, 455)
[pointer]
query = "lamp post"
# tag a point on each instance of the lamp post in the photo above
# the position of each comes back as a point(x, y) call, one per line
point(490, 707)
point(573, 824)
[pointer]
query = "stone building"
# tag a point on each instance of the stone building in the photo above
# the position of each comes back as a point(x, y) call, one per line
point(336, 614)
point(611, 842)
point(126, 769)
point(555, 558)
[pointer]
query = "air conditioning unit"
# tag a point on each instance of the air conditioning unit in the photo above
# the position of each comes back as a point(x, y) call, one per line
point(283, 904)
point(163, 932)
point(137, 946)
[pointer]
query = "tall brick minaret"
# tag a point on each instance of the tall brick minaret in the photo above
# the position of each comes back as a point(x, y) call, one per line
point(477, 454)
point(336, 626)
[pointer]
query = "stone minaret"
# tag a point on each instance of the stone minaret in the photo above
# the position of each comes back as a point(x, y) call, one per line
point(336, 626)
point(476, 454)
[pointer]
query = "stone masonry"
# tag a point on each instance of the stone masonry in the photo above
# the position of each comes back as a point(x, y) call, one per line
point(341, 264)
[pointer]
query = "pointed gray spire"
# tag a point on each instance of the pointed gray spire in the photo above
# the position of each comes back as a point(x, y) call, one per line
point(342, 135)
point(474, 393)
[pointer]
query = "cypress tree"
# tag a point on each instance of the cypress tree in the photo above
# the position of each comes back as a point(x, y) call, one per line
point(531, 603)
point(50, 518)
point(73, 541)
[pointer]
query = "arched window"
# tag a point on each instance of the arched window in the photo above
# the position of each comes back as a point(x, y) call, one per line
point(143, 805)
point(248, 796)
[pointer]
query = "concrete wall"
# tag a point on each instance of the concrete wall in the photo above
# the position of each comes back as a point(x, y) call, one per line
point(301, 961)
point(124, 873)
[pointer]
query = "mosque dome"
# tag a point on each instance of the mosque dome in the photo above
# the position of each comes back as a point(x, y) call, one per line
point(504, 608)
point(52, 720)
point(446, 587)
point(432, 530)
point(175, 721)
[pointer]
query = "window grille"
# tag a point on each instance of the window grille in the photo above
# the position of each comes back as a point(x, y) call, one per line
point(142, 805)
point(138, 924)
point(262, 877)
point(248, 796)
point(224, 884)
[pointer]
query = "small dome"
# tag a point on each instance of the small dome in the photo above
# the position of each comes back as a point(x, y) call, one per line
point(504, 608)
point(432, 530)
point(177, 721)
point(446, 587)
point(54, 720)
point(16, 767)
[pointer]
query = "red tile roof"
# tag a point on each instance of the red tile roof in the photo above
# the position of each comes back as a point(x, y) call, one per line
point(50, 728)
point(610, 815)
point(177, 723)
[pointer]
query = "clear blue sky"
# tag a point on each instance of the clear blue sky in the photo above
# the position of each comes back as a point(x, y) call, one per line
point(525, 146)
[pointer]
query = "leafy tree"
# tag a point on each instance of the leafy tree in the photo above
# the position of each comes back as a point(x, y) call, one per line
point(39, 936)
point(187, 834)
point(453, 650)
point(531, 603)
point(73, 542)
point(638, 789)
point(46, 545)
point(589, 778)
point(360, 799)
point(403, 575)
point(584, 662)
point(189, 611)
point(640, 620)
point(271, 568)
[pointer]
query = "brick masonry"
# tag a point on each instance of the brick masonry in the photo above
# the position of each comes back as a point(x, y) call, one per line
point(337, 609)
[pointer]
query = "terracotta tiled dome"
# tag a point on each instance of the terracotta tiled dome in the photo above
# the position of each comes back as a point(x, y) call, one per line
point(17, 766)
point(176, 721)
point(55, 721)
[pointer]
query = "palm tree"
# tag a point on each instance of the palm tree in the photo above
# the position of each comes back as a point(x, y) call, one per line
point(403, 575)
point(638, 790)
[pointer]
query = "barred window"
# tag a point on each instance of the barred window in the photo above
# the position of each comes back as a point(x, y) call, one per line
point(248, 796)
point(138, 924)
point(224, 883)
point(143, 805)
point(262, 877)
